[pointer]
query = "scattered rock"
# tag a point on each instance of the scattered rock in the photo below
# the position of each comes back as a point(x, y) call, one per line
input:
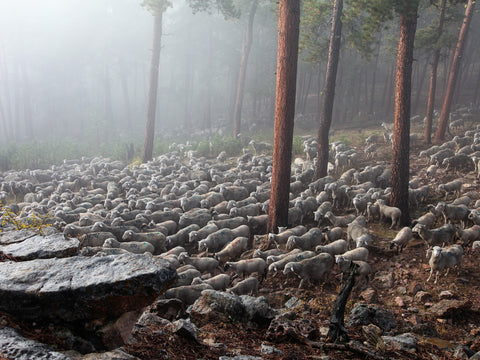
point(399, 302)
point(185, 328)
point(240, 357)
point(169, 309)
point(270, 350)
point(14, 346)
point(405, 342)
point(450, 308)
point(42, 247)
point(369, 295)
point(363, 314)
point(257, 311)
point(115, 334)
point(283, 329)
point(414, 288)
point(117, 354)
point(422, 297)
point(82, 288)
point(446, 294)
point(462, 352)
point(216, 305)
point(384, 279)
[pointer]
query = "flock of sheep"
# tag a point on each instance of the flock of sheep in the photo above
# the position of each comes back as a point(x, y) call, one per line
point(208, 218)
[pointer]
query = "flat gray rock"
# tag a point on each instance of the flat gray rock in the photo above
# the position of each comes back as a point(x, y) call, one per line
point(14, 346)
point(15, 236)
point(42, 247)
point(82, 288)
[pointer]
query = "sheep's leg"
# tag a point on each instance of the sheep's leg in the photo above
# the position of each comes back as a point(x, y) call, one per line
point(431, 272)
point(300, 286)
point(436, 277)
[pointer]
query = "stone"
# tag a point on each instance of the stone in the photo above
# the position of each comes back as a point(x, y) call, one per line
point(82, 288)
point(414, 288)
point(421, 297)
point(257, 311)
point(42, 247)
point(15, 236)
point(115, 334)
point(406, 342)
point(169, 309)
point(293, 303)
point(462, 352)
point(270, 350)
point(450, 308)
point(215, 305)
point(446, 294)
point(14, 346)
point(369, 295)
point(363, 314)
point(240, 357)
point(117, 354)
point(475, 356)
point(384, 279)
point(399, 302)
point(184, 328)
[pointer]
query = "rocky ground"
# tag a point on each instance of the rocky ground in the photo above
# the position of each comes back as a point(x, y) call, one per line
point(442, 320)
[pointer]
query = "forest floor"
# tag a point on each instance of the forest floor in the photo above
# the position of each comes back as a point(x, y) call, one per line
point(410, 270)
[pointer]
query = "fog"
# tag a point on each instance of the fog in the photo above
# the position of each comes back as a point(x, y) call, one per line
point(79, 69)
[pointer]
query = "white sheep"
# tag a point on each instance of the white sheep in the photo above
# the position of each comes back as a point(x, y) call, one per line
point(307, 241)
point(453, 213)
point(282, 237)
point(358, 254)
point(468, 236)
point(340, 221)
point(249, 286)
point(157, 239)
point(202, 264)
point(442, 258)
point(335, 248)
point(233, 249)
point(454, 186)
point(314, 268)
point(333, 234)
point(135, 247)
point(438, 236)
point(279, 264)
point(362, 275)
point(401, 239)
point(391, 212)
point(219, 282)
point(265, 254)
point(427, 219)
point(248, 266)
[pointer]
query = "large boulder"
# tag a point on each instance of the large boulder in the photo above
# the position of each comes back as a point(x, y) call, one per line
point(14, 346)
point(82, 288)
point(42, 247)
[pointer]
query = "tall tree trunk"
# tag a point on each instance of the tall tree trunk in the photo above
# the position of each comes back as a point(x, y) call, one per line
point(153, 88)
point(433, 77)
point(418, 93)
point(247, 44)
point(403, 89)
point(329, 92)
point(452, 78)
point(287, 57)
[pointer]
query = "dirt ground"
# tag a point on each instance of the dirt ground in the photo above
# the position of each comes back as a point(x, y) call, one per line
point(410, 270)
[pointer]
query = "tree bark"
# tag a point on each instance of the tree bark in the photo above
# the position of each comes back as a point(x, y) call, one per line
point(247, 44)
point(287, 56)
point(329, 92)
point(153, 88)
point(403, 89)
point(433, 78)
point(452, 78)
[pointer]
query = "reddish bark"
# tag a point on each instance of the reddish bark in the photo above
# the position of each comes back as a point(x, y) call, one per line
point(454, 70)
point(403, 89)
point(329, 92)
point(287, 56)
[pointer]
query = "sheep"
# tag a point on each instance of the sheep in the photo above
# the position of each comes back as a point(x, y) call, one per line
point(387, 126)
point(469, 235)
point(431, 171)
point(219, 282)
point(185, 277)
point(248, 266)
point(362, 274)
point(458, 162)
point(401, 239)
point(442, 258)
point(200, 234)
point(439, 156)
point(168, 227)
point(233, 192)
point(438, 236)
point(247, 210)
point(216, 240)
point(264, 254)
point(94, 238)
point(454, 186)
point(188, 294)
point(307, 241)
point(232, 250)
point(202, 264)
point(465, 200)
point(474, 216)
point(360, 204)
point(358, 254)
point(157, 239)
point(281, 261)
point(427, 219)
point(180, 238)
point(476, 245)
point(453, 212)
point(134, 247)
point(373, 211)
point(249, 286)
point(315, 268)
point(341, 221)
point(337, 247)
point(307, 206)
point(391, 212)
point(282, 237)
point(332, 234)
point(322, 209)
point(257, 224)
point(229, 223)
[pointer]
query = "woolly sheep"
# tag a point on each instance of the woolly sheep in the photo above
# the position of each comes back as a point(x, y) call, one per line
point(248, 266)
point(427, 219)
point(232, 250)
point(132, 246)
point(362, 275)
point(341, 221)
point(249, 286)
point(437, 236)
point(200, 234)
point(202, 264)
point(401, 239)
point(454, 186)
point(188, 294)
point(264, 254)
point(314, 268)
point(219, 282)
point(282, 237)
point(442, 258)
point(307, 241)
point(358, 254)
point(185, 277)
point(391, 212)
point(337, 247)
point(468, 236)
point(157, 239)
point(333, 234)
point(294, 255)
point(453, 213)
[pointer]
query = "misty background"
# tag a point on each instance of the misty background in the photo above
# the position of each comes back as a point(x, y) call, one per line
point(78, 70)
